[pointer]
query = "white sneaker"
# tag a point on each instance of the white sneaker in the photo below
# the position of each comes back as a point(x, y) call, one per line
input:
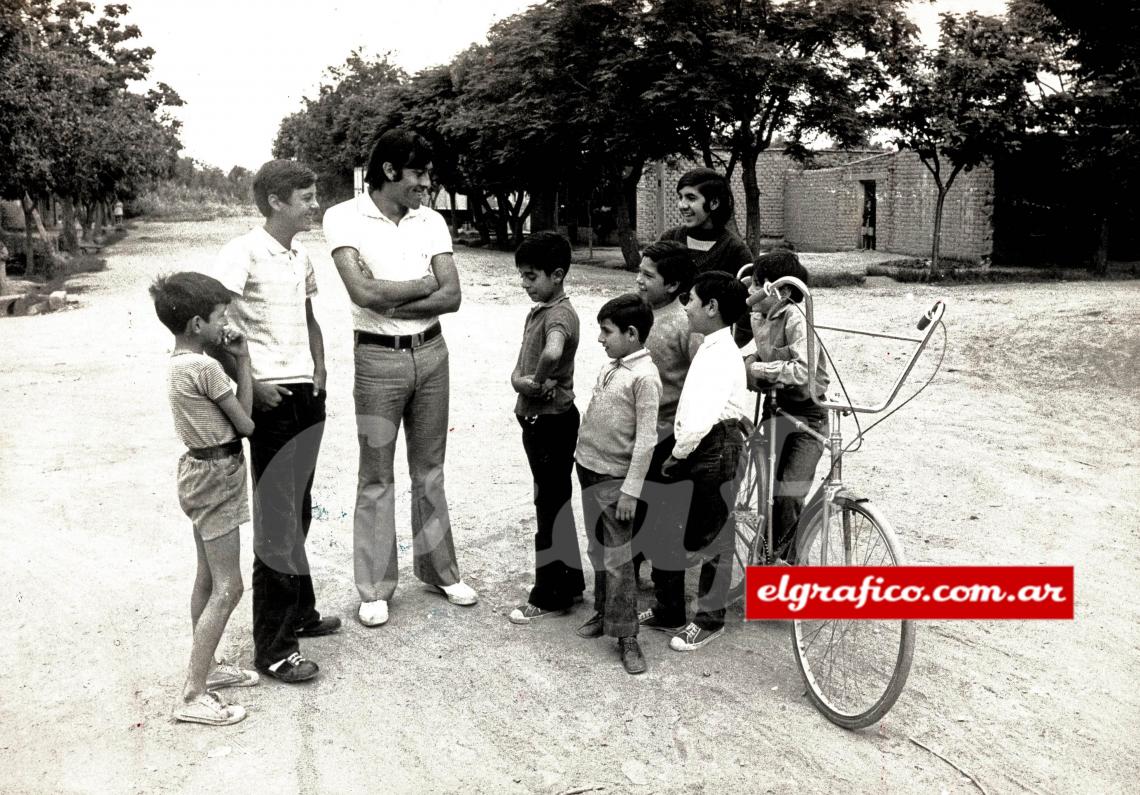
point(373, 614)
point(459, 593)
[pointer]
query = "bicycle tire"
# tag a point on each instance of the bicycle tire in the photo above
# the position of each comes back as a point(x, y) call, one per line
point(747, 519)
point(869, 681)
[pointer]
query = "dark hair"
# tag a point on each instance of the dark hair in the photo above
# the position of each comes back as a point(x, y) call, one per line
point(731, 296)
point(280, 178)
point(544, 251)
point(628, 310)
point(777, 264)
point(674, 262)
point(714, 187)
point(181, 297)
point(403, 149)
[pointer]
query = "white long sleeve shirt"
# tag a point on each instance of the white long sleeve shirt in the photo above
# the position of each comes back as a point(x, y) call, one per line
point(711, 393)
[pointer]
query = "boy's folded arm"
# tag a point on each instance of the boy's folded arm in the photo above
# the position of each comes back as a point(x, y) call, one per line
point(237, 413)
point(551, 354)
point(380, 295)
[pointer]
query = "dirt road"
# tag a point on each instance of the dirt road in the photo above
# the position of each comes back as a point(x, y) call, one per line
point(1022, 452)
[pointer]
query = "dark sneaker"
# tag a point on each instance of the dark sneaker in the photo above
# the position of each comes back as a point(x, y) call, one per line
point(292, 669)
point(649, 620)
point(593, 627)
point(693, 637)
point(631, 656)
point(322, 626)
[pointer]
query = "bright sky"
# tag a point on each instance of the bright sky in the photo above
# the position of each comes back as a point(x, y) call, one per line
point(243, 65)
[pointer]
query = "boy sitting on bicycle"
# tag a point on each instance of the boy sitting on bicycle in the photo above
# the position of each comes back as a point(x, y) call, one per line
point(780, 362)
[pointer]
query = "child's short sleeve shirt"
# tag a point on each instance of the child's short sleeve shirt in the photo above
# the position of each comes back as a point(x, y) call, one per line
point(196, 383)
point(540, 323)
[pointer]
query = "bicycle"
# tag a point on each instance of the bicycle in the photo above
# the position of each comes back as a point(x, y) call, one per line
point(854, 670)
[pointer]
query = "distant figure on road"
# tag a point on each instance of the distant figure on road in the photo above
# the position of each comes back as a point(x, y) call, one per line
point(117, 212)
point(395, 258)
point(272, 278)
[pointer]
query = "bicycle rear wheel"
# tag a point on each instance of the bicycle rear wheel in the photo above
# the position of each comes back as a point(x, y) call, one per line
point(747, 518)
point(854, 669)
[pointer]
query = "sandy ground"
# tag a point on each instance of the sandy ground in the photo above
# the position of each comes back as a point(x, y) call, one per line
point(1021, 452)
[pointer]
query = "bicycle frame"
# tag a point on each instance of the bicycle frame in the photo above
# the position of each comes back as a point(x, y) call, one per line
point(833, 483)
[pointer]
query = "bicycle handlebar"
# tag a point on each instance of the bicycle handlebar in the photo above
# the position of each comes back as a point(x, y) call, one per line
point(927, 323)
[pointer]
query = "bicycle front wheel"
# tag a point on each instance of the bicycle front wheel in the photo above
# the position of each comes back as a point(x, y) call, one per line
point(854, 669)
point(747, 520)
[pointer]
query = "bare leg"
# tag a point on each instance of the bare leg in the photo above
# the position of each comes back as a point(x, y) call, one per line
point(203, 584)
point(223, 560)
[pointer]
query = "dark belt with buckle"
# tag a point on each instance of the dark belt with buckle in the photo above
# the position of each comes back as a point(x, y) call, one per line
point(217, 451)
point(400, 341)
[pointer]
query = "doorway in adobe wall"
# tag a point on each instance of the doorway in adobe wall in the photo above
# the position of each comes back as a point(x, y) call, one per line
point(867, 230)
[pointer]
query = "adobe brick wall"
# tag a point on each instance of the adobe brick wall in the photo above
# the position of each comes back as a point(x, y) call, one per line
point(821, 209)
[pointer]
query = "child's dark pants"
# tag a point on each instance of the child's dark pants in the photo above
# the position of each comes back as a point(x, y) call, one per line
point(283, 456)
point(798, 453)
point(710, 472)
point(549, 441)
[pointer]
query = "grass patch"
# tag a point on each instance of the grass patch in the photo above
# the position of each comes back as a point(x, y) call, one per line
point(837, 278)
point(170, 202)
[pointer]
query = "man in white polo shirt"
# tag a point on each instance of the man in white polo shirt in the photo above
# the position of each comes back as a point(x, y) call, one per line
point(395, 258)
point(272, 277)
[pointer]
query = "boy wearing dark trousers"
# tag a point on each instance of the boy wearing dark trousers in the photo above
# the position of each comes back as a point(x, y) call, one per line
point(708, 440)
point(615, 445)
point(544, 380)
point(665, 274)
point(272, 280)
point(780, 331)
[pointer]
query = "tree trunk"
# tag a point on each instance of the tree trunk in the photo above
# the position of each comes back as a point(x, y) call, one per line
point(625, 210)
point(502, 230)
point(748, 159)
point(32, 220)
point(936, 245)
point(98, 222)
point(475, 203)
point(1099, 264)
point(572, 215)
point(453, 226)
point(68, 239)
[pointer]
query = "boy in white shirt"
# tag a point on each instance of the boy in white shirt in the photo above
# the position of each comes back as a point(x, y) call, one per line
point(709, 438)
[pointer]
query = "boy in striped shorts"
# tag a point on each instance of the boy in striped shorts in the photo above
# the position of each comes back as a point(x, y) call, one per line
point(210, 420)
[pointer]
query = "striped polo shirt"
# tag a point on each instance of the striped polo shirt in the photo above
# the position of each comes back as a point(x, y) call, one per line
point(272, 284)
point(196, 383)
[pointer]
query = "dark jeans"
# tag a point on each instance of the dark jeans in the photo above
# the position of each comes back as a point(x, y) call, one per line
point(797, 455)
point(283, 455)
point(706, 537)
point(608, 546)
point(549, 441)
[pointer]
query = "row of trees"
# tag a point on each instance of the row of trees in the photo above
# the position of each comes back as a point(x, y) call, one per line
point(70, 125)
point(573, 98)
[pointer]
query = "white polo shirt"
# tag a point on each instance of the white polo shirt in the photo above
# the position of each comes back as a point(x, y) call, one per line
point(392, 252)
point(273, 283)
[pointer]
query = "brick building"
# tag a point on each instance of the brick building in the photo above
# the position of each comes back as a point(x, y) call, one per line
point(863, 199)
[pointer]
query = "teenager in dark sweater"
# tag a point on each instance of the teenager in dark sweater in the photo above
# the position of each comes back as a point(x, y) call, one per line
point(705, 201)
